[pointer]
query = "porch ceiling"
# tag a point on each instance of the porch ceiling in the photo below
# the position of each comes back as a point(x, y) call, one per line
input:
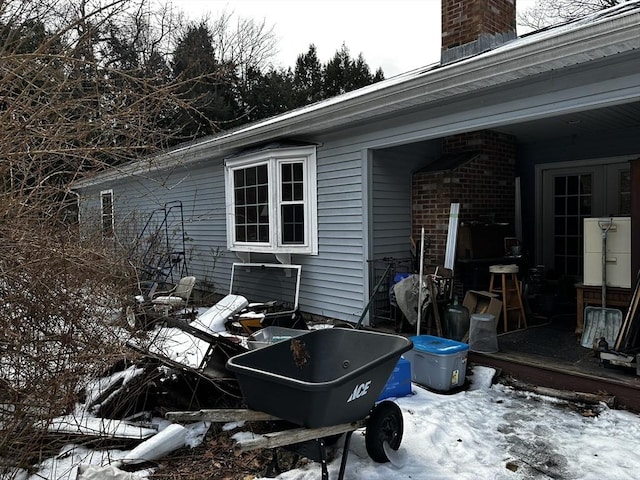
point(613, 118)
point(584, 123)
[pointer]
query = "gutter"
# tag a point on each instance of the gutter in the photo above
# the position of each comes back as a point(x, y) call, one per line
point(527, 56)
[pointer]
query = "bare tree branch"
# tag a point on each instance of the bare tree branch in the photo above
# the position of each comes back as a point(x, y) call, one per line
point(551, 12)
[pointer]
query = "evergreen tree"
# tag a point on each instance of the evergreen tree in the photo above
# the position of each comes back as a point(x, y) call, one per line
point(336, 73)
point(379, 75)
point(343, 74)
point(308, 78)
point(208, 84)
point(267, 94)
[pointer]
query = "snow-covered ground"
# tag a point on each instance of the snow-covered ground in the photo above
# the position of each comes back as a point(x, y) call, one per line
point(495, 432)
point(489, 431)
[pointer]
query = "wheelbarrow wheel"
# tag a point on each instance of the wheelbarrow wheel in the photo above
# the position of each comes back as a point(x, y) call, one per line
point(385, 424)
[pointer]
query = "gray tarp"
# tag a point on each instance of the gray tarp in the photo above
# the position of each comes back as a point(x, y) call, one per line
point(406, 292)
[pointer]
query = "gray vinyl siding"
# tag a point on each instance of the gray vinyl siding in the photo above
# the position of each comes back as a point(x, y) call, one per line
point(332, 283)
point(390, 206)
point(201, 191)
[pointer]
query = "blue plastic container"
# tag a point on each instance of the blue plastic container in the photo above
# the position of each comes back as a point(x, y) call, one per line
point(438, 363)
point(399, 383)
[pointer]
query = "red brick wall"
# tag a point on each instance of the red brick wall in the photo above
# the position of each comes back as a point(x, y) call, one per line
point(463, 21)
point(484, 187)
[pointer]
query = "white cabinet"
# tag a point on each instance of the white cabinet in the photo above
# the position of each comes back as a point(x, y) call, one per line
point(618, 254)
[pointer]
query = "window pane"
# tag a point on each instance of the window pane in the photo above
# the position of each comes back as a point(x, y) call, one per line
point(106, 204)
point(241, 215)
point(573, 245)
point(238, 178)
point(239, 194)
point(573, 267)
point(292, 182)
point(251, 176)
point(573, 225)
point(107, 214)
point(263, 194)
point(559, 226)
point(251, 195)
point(241, 234)
point(263, 214)
point(252, 233)
point(287, 190)
point(264, 233)
point(287, 175)
point(560, 186)
point(292, 224)
point(252, 214)
point(263, 177)
point(287, 214)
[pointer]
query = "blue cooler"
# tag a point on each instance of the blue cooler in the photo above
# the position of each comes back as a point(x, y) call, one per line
point(438, 363)
point(399, 383)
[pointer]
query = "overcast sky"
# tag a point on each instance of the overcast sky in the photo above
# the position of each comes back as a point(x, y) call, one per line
point(397, 35)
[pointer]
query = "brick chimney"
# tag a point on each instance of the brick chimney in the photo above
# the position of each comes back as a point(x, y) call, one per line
point(470, 27)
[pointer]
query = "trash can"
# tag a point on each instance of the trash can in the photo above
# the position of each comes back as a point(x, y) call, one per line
point(483, 337)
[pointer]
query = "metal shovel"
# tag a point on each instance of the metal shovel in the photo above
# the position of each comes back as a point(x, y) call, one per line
point(602, 322)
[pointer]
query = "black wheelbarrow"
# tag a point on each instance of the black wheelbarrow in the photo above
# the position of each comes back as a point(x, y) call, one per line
point(327, 381)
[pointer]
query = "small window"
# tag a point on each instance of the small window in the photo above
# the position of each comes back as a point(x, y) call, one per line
point(292, 203)
point(271, 201)
point(106, 206)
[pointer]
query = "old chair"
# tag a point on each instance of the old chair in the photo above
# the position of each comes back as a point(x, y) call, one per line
point(177, 297)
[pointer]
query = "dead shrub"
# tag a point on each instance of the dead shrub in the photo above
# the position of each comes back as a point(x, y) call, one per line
point(60, 299)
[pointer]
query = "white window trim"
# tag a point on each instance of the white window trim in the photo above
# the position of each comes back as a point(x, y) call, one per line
point(102, 215)
point(274, 158)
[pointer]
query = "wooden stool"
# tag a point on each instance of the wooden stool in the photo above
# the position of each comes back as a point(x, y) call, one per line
point(509, 288)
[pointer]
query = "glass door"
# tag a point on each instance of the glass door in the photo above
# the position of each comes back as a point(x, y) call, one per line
point(568, 196)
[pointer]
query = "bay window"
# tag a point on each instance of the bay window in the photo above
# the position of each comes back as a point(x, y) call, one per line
point(271, 201)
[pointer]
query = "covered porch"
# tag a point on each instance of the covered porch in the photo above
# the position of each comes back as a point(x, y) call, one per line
point(568, 168)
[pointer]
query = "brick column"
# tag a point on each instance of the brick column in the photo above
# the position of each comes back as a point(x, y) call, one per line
point(484, 186)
